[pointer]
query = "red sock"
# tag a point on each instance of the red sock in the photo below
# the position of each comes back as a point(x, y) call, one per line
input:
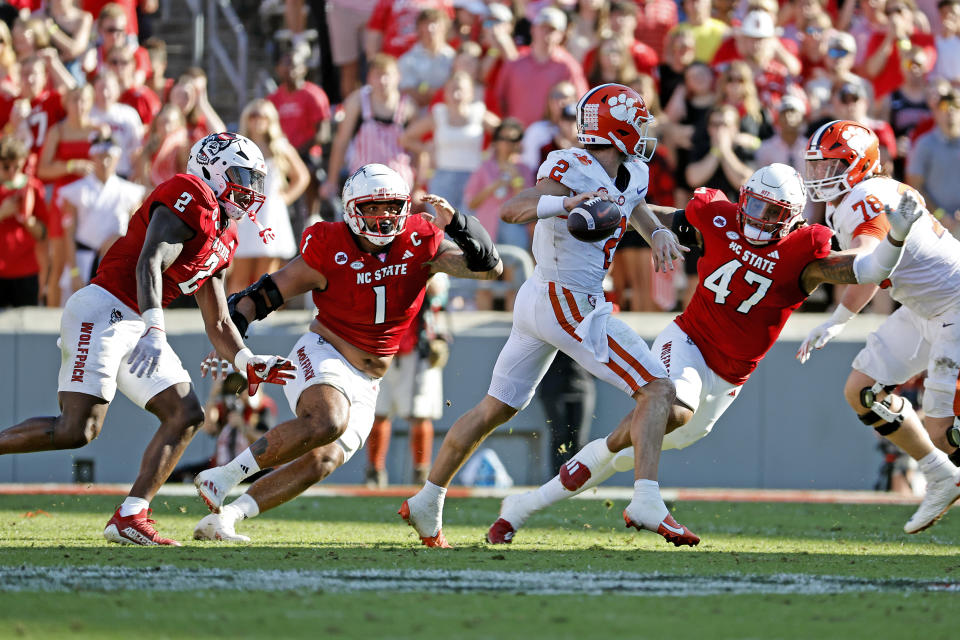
point(378, 443)
point(421, 441)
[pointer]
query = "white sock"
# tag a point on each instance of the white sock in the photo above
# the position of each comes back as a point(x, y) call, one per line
point(595, 455)
point(518, 508)
point(132, 506)
point(647, 506)
point(936, 466)
point(426, 508)
point(246, 506)
point(243, 466)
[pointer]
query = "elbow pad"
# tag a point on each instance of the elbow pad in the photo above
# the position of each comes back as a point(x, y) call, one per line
point(876, 266)
point(264, 294)
point(478, 249)
point(686, 233)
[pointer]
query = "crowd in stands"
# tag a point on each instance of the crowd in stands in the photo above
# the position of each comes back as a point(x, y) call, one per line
point(464, 98)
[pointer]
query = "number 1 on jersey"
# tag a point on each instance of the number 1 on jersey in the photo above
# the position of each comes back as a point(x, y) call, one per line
point(380, 314)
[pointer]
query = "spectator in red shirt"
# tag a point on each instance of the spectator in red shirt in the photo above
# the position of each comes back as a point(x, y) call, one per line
point(304, 116)
point(524, 84)
point(757, 45)
point(31, 38)
point(45, 106)
point(22, 216)
point(849, 102)
point(128, 7)
point(111, 34)
point(883, 63)
point(190, 94)
point(133, 91)
point(623, 23)
point(655, 18)
point(393, 25)
point(756, 32)
point(157, 80)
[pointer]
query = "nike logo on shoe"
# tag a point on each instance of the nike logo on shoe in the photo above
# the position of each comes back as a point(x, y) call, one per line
point(677, 530)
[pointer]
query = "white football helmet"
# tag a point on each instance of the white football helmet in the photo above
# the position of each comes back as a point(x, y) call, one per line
point(376, 183)
point(233, 167)
point(771, 203)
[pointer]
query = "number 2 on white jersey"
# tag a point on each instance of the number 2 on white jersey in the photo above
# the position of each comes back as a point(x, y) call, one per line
point(719, 283)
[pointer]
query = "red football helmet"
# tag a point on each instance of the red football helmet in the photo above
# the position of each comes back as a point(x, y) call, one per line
point(616, 114)
point(840, 154)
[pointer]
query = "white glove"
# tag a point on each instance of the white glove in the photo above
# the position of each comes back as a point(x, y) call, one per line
point(824, 333)
point(145, 356)
point(901, 219)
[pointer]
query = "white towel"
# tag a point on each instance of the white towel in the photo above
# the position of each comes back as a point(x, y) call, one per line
point(593, 331)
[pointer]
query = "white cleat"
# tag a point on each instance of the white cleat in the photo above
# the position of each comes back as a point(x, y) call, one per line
point(212, 488)
point(940, 496)
point(217, 527)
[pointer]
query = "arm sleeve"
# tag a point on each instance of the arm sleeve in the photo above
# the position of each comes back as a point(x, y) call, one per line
point(821, 238)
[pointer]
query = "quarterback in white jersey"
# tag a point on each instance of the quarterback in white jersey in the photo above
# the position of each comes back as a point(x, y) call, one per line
point(562, 307)
point(842, 166)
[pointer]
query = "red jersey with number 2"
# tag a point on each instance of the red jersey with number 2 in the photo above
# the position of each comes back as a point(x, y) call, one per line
point(370, 298)
point(207, 252)
point(746, 291)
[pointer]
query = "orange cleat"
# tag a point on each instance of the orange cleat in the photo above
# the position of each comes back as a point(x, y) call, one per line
point(676, 533)
point(438, 541)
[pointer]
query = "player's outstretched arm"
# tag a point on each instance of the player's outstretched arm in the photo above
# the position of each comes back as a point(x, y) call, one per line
point(163, 242)
point(547, 199)
point(268, 293)
point(663, 242)
point(227, 341)
point(471, 254)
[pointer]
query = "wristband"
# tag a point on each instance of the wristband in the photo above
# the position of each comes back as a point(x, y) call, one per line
point(153, 318)
point(715, 152)
point(656, 230)
point(74, 272)
point(241, 359)
point(550, 206)
point(70, 166)
point(842, 315)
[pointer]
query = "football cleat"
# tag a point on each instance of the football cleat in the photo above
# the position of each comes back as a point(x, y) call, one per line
point(437, 540)
point(135, 529)
point(940, 496)
point(678, 534)
point(211, 488)
point(501, 532)
point(217, 527)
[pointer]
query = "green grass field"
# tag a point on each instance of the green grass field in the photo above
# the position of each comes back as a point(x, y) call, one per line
point(736, 584)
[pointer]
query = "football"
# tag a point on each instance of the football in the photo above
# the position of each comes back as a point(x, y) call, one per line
point(593, 219)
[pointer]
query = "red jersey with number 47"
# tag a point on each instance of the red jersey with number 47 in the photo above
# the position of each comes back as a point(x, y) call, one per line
point(207, 252)
point(746, 292)
point(370, 298)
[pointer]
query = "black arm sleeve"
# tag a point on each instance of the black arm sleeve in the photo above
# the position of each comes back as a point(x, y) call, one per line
point(264, 294)
point(468, 234)
point(686, 232)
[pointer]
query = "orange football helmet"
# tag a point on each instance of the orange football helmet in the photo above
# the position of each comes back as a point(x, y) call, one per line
point(840, 154)
point(616, 114)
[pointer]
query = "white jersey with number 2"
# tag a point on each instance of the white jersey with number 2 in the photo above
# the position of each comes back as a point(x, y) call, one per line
point(561, 258)
point(927, 280)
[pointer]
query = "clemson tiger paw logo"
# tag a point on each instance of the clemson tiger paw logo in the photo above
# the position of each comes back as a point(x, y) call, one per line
point(623, 108)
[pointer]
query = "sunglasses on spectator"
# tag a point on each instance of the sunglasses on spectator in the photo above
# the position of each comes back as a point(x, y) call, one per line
point(895, 10)
point(813, 30)
point(736, 79)
point(120, 62)
point(837, 52)
point(114, 30)
point(848, 98)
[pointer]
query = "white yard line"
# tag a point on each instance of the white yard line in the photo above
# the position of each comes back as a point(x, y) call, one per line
point(167, 578)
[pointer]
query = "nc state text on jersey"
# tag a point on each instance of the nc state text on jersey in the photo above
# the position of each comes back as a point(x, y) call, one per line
point(751, 259)
point(221, 249)
point(367, 277)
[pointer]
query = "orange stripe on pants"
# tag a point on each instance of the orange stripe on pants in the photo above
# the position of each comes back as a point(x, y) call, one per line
point(558, 312)
point(629, 359)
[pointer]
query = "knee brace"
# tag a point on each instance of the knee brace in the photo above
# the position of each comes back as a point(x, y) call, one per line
point(880, 411)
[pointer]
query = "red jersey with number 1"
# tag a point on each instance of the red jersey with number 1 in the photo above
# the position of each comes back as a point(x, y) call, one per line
point(746, 291)
point(370, 298)
point(206, 253)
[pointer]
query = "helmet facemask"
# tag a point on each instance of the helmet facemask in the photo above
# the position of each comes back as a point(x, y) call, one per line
point(826, 179)
point(380, 229)
point(763, 219)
